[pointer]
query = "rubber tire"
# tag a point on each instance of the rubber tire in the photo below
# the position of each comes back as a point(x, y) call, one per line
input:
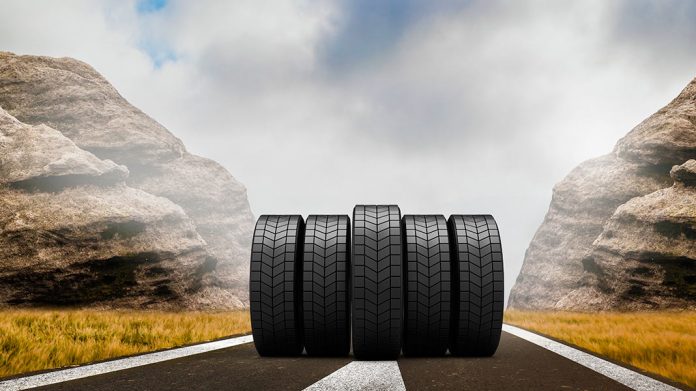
point(377, 282)
point(428, 296)
point(325, 289)
point(274, 285)
point(478, 283)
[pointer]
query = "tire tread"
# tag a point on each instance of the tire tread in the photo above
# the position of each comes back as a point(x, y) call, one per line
point(377, 282)
point(478, 284)
point(276, 265)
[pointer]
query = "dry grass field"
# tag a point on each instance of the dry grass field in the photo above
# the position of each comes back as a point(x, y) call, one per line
point(32, 340)
point(663, 343)
point(659, 342)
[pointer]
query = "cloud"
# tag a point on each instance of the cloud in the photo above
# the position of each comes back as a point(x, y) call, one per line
point(152, 38)
point(666, 26)
point(366, 31)
point(443, 107)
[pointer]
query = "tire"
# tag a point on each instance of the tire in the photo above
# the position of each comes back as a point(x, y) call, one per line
point(325, 289)
point(377, 282)
point(274, 285)
point(428, 297)
point(477, 296)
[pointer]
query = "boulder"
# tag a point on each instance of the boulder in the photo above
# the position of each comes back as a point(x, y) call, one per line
point(66, 132)
point(580, 207)
point(39, 154)
point(71, 97)
point(616, 235)
point(667, 137)
point(71, 237)
point(645, 257)
point(217, 204)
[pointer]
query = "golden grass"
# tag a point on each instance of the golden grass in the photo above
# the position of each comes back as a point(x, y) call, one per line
point(32, 340)
point(663, 343)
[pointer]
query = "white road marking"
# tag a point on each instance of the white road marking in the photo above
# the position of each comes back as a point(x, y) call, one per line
point(356, 375)
point(618, 373)
point(363, 375)
point(63, 375)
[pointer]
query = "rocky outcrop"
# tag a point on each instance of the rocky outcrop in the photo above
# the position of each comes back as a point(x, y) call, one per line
point(685, 174)
point(616, 235)
point(73, 233)
point(125, 196)
point(645, 257)
point(580, 207)
point(70, 96)
point(218, 205)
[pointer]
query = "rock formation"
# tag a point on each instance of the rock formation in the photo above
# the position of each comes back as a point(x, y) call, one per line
point(101, 205)
point(616, 235)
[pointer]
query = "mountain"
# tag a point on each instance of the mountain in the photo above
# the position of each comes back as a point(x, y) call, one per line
point(620, 232)
point(100, 205)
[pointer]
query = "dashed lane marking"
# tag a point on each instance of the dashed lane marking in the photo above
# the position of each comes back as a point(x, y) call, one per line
point(363, 375)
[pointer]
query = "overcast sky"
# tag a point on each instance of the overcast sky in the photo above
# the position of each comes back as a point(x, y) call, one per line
point(441, 107)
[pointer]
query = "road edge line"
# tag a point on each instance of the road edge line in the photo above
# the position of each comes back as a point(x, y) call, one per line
point(63, 375)
point(613, 371)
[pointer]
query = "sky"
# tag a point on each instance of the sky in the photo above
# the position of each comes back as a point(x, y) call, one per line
point(441, 107)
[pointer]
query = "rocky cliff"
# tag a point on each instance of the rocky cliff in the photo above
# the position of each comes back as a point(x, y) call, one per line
point(101, 205)
point(620, 232)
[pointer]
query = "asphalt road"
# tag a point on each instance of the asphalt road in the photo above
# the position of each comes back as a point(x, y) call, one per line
point(518, 365)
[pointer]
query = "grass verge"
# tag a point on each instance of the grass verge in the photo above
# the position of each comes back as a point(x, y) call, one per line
point(663, 343)
point(32, 340)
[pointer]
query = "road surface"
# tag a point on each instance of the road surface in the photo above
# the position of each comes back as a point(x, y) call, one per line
point(518, 365)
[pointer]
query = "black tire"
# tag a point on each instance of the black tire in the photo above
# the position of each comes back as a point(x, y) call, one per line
point(477, 296)
point(377, 282)
point(428, 296)
point(274, 285)
point(325, 289)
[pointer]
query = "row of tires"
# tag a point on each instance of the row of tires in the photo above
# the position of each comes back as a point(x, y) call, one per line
point(421, 283)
